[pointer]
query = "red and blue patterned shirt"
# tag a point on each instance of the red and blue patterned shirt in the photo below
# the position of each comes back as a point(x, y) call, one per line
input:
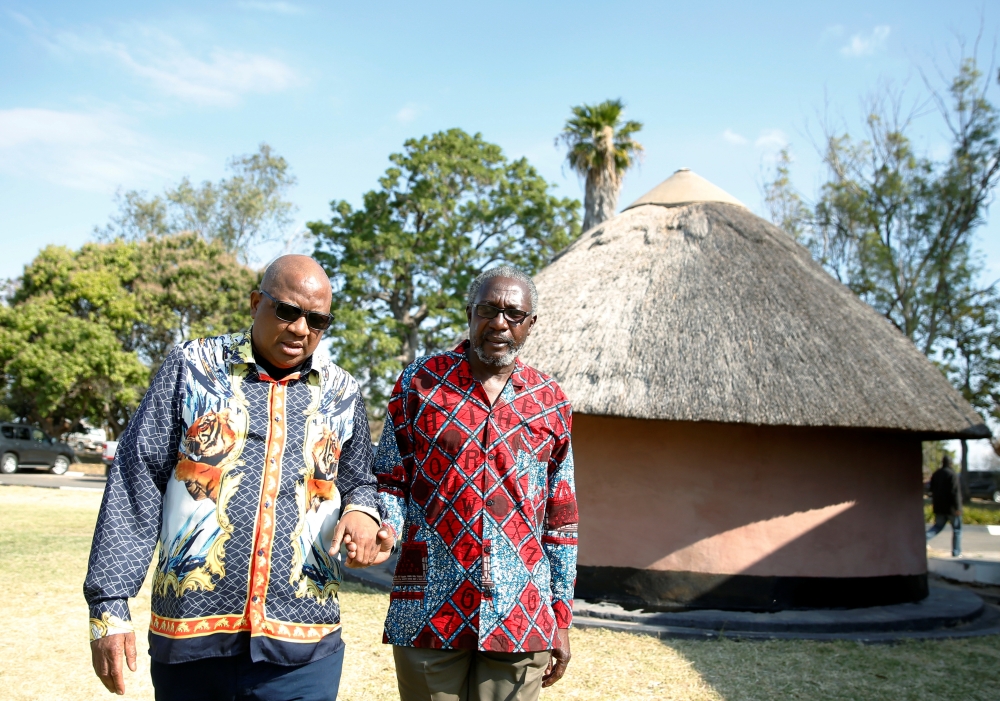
point(484, 501)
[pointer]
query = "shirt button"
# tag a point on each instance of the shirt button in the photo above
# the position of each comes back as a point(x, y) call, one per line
point(277, 417)
point(256, 599)
point(493, 457)
point(261, 552)
point(272, 461)
point(489, 502)
point(267, 504)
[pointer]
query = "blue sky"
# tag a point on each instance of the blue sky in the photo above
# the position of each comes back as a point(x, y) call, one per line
point(100, 95)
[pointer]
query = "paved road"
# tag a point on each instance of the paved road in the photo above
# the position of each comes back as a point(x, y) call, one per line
point(45, 479)
point(975, 539)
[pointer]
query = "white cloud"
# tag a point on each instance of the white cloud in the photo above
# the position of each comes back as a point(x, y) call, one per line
point(408, 113)
point(220, 78)
point(84, 151)
point(866, 44)
point(21, 19)
point(281, 8)
point(734, 138)
point(771, 139)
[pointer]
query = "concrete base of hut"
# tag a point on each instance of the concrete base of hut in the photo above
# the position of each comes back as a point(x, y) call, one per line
point(945, 613)
point(668, 591)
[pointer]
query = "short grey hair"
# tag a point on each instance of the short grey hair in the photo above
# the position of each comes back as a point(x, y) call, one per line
point(507, 271)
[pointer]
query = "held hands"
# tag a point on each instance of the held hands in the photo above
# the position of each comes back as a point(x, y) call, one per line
point(366, 543)
point(560, 659)
point(106, 655)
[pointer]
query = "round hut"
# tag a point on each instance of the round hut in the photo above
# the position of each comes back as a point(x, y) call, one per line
point(747, 433)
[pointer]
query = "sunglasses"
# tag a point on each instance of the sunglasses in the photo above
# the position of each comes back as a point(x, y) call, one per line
point(511, 314)
point(290, 313)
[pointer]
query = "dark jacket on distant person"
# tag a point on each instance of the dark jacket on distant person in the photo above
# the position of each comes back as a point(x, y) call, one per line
point(946, 492)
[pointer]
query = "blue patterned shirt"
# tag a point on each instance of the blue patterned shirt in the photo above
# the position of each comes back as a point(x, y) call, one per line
point(239, 480)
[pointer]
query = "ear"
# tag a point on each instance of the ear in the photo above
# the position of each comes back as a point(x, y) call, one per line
point(255, 298)
point(531, 325)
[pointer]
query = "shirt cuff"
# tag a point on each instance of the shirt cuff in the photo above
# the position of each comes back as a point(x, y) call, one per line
point(110, 618)
point(363, 509)
point(564, 613)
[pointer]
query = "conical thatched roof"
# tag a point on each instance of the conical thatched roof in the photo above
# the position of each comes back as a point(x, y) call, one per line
point(684, 187)
point(687, 306)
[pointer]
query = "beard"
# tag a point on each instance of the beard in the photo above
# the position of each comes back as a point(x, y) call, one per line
point(498, 361)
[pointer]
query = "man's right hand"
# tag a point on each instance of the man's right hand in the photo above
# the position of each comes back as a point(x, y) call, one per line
point(385, 542)
point(106, 654)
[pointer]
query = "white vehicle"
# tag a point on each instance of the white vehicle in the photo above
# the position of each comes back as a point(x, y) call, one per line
point(108, 456)
point(90, 439)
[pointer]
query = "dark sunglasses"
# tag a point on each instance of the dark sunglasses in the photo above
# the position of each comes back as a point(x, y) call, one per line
point(511, 314)
point(290, 313)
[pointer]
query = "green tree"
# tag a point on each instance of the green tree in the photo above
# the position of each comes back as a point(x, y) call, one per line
point(785, 206)
point(898, 226)
point(601, 148)
point(241, 211)
point(187, 287)
point(84, 329)
point(449, 206)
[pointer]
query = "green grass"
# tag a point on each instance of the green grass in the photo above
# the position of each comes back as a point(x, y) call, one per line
point(45, 539)
point(974, 513)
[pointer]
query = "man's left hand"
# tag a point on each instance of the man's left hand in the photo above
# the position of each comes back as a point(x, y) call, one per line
point(360, 530)
point(560, 659)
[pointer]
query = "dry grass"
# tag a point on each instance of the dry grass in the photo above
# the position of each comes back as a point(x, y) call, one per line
point(45, 536)
point(974, 513)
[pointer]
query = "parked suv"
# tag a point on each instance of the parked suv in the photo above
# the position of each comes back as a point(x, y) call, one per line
point(985, 484)
point(24, 446)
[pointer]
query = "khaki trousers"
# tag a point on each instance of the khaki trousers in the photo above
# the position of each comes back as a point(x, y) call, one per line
point(468, 675)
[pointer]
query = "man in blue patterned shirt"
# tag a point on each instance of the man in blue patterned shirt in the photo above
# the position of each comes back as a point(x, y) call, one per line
point(475, 471)
point(247, 462)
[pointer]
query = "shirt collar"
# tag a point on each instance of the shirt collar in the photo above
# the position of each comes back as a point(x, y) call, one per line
point(239, 351)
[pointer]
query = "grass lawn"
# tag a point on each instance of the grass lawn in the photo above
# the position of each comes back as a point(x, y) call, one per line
point(974, 513)
point(45, 538)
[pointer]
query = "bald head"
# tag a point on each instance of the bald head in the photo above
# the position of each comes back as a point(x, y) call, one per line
point(290, 280)
point(293, 269)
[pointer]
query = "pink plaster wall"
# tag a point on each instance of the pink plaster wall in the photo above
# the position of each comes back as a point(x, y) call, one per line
point(732, 499)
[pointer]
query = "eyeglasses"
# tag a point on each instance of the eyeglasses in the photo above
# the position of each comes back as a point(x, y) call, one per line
point(290, 313)
point(511, 314)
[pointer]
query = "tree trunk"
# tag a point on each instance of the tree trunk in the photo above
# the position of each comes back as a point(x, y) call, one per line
point(600, 199)
point(964, 475)
point(410, 342)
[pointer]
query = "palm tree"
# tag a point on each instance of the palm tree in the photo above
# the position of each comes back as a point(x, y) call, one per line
point(601, 149)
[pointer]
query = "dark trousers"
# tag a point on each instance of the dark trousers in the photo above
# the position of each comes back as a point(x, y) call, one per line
point(956, 527)
point(239, 677)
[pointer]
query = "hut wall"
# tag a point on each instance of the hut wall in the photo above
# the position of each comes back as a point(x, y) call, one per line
point(756, 517)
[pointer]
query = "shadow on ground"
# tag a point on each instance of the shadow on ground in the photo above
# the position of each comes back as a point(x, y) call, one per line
point(748, 671)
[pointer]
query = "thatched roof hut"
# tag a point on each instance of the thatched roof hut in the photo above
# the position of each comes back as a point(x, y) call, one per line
point(740, 406)
point(689, 307)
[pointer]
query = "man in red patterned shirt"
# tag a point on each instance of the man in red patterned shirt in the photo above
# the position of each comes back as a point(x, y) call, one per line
point(475, 471)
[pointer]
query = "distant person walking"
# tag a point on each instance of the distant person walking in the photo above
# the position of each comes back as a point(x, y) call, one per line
point(946, 495)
